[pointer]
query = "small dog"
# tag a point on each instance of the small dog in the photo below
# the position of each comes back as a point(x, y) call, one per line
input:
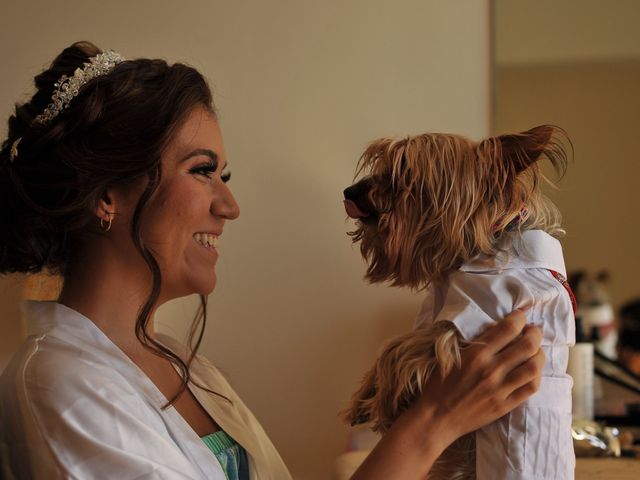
point(456, 217)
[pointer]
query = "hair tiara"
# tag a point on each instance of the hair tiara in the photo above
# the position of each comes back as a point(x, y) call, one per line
point(68, 87)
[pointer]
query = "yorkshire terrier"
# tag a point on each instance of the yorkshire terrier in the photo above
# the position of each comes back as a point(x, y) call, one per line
point(466, 222)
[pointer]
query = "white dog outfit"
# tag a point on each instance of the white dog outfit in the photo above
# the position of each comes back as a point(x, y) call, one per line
point(533, 441)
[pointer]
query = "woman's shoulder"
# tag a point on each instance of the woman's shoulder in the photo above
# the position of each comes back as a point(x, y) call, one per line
point(84, 410)
point(55, 390)
point(64, 351)
point(49, 369)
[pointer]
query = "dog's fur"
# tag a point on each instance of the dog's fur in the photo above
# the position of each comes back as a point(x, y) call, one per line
point(426, 205)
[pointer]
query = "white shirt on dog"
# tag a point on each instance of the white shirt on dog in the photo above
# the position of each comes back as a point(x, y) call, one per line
point(533, 441)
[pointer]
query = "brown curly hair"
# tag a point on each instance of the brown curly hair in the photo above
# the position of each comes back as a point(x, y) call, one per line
point(112, 133)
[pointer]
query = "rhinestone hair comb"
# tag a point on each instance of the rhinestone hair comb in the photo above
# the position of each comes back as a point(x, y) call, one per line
point(68, 87)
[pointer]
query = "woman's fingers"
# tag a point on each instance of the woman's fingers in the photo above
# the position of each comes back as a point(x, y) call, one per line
point(503, 332)
point(520, 350)
point(500, 370)
point(524, 380)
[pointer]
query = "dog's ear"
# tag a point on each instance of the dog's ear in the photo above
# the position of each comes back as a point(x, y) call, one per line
point(521, 150)
point(525, 148)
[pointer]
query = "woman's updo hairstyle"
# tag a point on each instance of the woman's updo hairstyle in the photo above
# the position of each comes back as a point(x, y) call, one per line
point(112, 132)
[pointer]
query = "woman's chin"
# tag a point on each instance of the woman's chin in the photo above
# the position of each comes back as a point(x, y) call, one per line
point(201, 286)
point(206, 287)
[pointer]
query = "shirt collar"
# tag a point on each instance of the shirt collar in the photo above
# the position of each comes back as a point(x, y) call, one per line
point(531, 249)
point(56, 320)
point(44, 316)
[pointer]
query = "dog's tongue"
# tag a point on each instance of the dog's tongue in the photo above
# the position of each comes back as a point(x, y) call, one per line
point(352, 209)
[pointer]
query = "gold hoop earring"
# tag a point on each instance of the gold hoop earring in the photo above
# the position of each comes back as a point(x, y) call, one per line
point(106, 225)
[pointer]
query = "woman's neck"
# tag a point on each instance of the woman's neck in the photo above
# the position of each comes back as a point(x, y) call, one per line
point(110, 291)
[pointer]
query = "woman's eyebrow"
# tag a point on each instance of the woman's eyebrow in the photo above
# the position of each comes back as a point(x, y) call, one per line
point(200, 151)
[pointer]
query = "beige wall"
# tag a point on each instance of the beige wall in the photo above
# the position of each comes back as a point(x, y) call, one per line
point(301, 87)
point(566, 31)
point(576, 63)
point(598, 104)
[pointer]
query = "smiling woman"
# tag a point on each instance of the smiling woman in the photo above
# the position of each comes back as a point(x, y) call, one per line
point(115, 176)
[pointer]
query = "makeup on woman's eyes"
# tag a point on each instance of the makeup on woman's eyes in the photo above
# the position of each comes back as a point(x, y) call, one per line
point(207, 169)
point(225, 176)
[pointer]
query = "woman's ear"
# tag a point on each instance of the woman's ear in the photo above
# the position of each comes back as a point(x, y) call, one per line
point(105, 206)
point(117, 204)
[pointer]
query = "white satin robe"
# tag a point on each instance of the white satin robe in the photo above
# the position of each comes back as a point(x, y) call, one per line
point(73, 405)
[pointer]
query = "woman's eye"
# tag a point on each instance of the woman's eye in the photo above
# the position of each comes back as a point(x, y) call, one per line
point(225, 176)
point(206, 169)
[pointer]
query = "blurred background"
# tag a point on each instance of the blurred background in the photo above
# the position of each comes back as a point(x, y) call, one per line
point(576, 64)
point(301, 87)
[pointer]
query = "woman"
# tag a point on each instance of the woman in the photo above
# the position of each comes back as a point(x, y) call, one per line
point(114, 176)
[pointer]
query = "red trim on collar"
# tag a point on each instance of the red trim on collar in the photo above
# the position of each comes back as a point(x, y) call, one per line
point(565, 284)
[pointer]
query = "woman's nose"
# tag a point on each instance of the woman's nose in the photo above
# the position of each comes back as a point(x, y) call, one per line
point(225, 205)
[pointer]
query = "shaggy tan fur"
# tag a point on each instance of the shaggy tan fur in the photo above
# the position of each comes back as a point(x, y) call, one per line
point(397, 378)
point(432, 203)
point(438, 199)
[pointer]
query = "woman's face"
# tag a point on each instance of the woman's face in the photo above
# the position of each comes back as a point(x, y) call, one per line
point(185, 217)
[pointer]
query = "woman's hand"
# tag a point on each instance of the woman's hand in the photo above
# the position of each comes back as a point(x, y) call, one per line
point(501, 370)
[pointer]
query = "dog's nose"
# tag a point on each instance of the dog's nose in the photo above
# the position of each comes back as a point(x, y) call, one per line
point(350, 192)
point(359, 190)
point(356, 201)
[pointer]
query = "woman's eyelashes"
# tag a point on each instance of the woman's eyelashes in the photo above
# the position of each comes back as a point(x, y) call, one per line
point(204, 169)
point(225, 176)
point(209, 168)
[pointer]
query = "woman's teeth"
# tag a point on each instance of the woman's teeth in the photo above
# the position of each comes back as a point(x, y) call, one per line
point(206, 239)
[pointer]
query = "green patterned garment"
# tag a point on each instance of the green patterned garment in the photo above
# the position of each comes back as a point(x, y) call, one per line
point(232, 457)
